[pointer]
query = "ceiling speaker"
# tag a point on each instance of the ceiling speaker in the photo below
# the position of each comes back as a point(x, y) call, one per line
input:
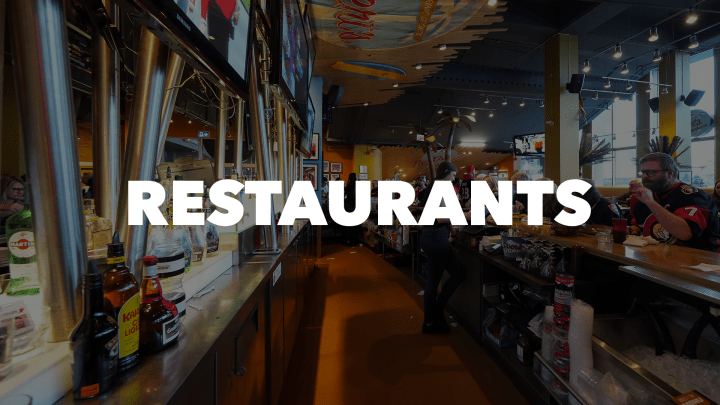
point(694, 98)
point(576, 84)
point(654, 104)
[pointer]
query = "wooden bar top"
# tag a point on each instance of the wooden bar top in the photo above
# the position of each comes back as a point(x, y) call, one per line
point(667, 259)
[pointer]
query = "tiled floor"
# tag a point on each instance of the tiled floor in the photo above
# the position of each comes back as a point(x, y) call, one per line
point(360, 343)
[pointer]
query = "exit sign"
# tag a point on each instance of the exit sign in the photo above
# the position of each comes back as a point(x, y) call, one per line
point(203, 134)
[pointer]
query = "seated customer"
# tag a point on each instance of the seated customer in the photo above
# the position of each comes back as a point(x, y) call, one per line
point(716, 195)
point(520, 200)
point(549, 200)
point(625, 198)
point(12, 194)
point(602, 210)
point(671, 211)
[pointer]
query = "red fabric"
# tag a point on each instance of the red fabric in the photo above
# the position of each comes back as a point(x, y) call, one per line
point(204, 9)
point(468, 177)
point(227, 7)
point(695, 214)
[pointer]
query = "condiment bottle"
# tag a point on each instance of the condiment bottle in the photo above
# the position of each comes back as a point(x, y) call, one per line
point(159, 321)
point(122, 290)
point(94, 342)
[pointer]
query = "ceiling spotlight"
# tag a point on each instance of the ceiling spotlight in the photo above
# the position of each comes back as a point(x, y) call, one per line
point(624, 70)
point(541, 103)
point(442, 47)
point(595, 96)
point(487, 100)
point(492, 2)
point(628, 86)
point(393, 131)
point(171, 121)
point(586, 66)
point(648, 89)
point(504, 102)
point(395, 84)
point(691, 16)
point(607, 84)
point(418, 66)
point(665, 90)
point(693, 42)
point(365, 104)
point(473, 112)
point(657, 57)
point(617, 97)
point(492, 114)
point(653, 34)
point(410, 132)
point(458, 111)
point(440, 111)
point(618, 52)
point(522, 103)
point(189, 122)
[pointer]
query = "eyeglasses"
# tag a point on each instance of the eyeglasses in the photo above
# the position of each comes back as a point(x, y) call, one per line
point(649, 173)
point(17, 189)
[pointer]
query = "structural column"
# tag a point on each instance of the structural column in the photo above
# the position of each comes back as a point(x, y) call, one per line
point(106, 122)
point(220, 136)
point(142, 140)
point(239, 132)
point(643, 118)
point(47, 121)
point(562, 108)
point(674, 113)
point(716, 55)
point(175, 68)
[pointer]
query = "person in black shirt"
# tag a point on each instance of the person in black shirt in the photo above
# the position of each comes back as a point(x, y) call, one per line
point(435, 243)
point(716, 195)
point(671, 211)
point(350, 232)
point(602, 210)
point(465, 185)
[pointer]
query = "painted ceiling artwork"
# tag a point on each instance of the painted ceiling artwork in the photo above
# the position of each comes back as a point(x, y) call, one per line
point(409, 165)
point(372, 24)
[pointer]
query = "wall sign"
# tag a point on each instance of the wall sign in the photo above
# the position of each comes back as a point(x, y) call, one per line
point(700, 123)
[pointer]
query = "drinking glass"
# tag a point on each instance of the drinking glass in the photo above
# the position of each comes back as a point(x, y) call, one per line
point(619, 231)
point(548, 268)
point(604, 236)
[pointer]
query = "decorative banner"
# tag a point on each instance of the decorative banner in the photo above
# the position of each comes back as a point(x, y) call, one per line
point(372, 24)
point(700, 123)
point(370, 70)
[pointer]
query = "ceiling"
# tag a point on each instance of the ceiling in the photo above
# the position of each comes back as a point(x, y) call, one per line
point(500, 52)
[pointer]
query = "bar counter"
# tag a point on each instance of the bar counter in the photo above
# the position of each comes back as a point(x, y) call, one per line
point(200, 366)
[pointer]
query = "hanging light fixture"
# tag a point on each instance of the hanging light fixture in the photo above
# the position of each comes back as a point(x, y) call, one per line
point(410, 132)
point(366, 104)
point(617, 97)
point(586, 66)
point(665, 90)
point(395, 84)
point(418, 66)
point(492, 114)
point(693, 42)
point(691, 16)
point(657, 57)
point(618, 52)
point(624, 70)
point(504, 102)
point(628, 86)
point(595, 96)
point(522, 103)
point(440, 111)
point(487, 100)
point(607, 84)
point(648, 89)
point(442, 47)
point(541, 103)
point(653, 34)
point(393, 131)
point(473, 112)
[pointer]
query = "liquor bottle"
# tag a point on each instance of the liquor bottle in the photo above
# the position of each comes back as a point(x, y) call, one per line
point(170, 271)
point(94, 342)
point(212, 237)
point(123, 291)
point(159, 321)
point(101, 228)
point(21, 248)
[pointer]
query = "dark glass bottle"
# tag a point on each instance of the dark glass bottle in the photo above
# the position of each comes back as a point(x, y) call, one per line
point(94, 342)
point(159, 321)
point(122, 290)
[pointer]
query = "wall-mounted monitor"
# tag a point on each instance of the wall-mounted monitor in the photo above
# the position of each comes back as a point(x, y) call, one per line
point(215, 31)
point(310, 43)
point(290, 65)
point(529, 145)
point(305, 140)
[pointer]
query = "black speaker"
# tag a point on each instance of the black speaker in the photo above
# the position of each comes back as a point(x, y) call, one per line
point(326, 110)
point(334, 95)
point(694, 98)
point(654, 104)
point(576, 84)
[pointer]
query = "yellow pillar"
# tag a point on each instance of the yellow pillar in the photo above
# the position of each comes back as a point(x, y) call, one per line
point(561, 109)
point(643, 118)
point(674, 113)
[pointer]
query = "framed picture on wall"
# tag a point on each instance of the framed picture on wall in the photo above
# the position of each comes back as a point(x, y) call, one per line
point(363, 176)
point(326, 166)
point(310, 174)
point(363, 169)
point(334, 176)
point(315, 147)
point(335, 167)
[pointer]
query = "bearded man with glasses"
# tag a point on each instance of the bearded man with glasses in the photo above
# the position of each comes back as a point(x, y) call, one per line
point(671, 211)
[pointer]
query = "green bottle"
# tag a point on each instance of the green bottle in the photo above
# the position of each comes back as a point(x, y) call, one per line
point(23, 261)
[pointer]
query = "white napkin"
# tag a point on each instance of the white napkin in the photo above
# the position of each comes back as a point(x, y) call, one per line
point(635, 242)
point(704, 267)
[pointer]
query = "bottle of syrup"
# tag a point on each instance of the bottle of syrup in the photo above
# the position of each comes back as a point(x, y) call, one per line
point(123, 292)
point(94, 342)
point(159, 320)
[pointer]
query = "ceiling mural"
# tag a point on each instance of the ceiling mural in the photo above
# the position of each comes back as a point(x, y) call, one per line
point(408, 164)
point(371, 24)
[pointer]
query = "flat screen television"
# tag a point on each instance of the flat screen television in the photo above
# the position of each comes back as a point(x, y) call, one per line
point(305, 141)
point(290, 66)
point(529, 145)
point(216, 31)
point(310, 43)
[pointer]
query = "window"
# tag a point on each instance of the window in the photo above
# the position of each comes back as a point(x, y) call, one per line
point(533, 166)
point(702, 77)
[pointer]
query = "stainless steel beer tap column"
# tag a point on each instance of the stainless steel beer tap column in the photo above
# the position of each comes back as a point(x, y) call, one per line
point(175, 68)
point(142, 140)
point(239, 131)
point(106, 122)
point(260, 139)
point(220, 136)
point(47, 121)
